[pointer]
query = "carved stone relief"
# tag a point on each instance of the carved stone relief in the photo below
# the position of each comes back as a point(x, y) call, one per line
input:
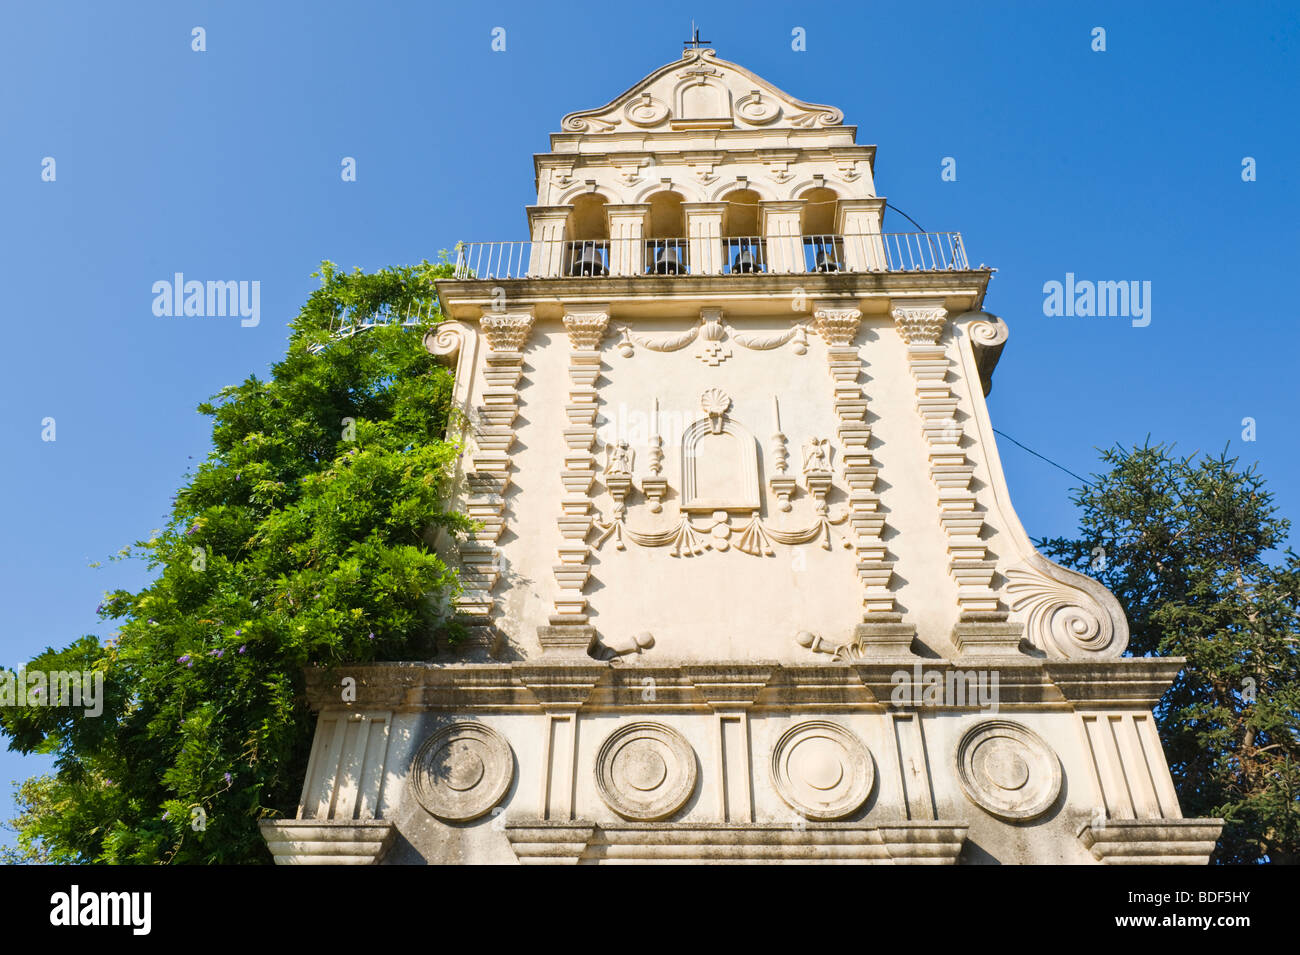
point(1008, 770)
point(645, 771)
point(462, 771)
point(719, 483)
point(822, 771)
point(714, 336)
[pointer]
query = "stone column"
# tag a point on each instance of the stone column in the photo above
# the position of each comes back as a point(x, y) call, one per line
point(546, 257)
point(586, 328)
point(837, 322)
point(858, 222)
point(488, 474)
point(704, 237)
point(981, 626)
point(627, 238)
point(782, 223)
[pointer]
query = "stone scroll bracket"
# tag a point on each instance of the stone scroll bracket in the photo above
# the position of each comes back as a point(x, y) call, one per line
point(1068, 615)
point(586, 326)
point(487, 473)
point(981, 627)
point(455, 345)
point(838, 324)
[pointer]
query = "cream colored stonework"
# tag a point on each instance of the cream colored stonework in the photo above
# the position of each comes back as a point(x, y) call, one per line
point(747, 584)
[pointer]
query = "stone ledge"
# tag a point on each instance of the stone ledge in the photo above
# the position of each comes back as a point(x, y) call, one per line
point(542, 842)
point(1152, 841)
point(1130, 683)
point(327, 841)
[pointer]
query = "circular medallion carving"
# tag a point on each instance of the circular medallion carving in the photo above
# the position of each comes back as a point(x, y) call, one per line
point(822, 770)
point(753, 108)
point(462, 771)
point(645, 771)
point(646, 111)
point(1008, 770)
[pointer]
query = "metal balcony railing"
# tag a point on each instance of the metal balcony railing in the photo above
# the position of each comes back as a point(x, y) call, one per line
point(713, 255)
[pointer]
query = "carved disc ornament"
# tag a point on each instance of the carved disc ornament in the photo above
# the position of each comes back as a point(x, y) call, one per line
point(1008, 770)
point(462, 771)
point(822, 771)
point(645, 771)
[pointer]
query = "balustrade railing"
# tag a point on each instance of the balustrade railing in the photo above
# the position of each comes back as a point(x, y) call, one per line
point(713, 255)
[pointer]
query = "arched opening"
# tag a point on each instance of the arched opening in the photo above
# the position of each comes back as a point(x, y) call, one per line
point(823, 249)
point(743, 247)
point(665, 246)
point(587, 233)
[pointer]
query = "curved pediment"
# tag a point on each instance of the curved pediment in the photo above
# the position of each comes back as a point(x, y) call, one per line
point(700, 91)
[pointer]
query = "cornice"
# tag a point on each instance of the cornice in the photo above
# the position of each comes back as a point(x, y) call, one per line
point(666, 295)
point(760, 686)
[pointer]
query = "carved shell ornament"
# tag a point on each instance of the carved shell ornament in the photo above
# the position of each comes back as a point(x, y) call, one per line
point(1071, 616)
point(715, 403)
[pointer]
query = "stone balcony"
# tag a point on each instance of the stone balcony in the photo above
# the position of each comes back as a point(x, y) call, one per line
point(671, 278)
point(713, 255)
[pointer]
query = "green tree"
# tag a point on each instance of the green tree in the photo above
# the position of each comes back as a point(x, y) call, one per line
point(305, 538)
point(1185, 545)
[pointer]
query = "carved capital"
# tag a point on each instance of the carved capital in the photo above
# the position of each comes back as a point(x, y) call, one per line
point(507, 331)
point(586, 326)
point(838, 324)
point(920, 323)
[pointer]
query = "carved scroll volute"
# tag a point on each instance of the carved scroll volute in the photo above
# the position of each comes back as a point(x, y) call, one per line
point(1071, 616)
point(988, 334)
point(456, 345)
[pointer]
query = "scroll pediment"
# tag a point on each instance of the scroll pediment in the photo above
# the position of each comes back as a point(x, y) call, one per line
point(700, 91)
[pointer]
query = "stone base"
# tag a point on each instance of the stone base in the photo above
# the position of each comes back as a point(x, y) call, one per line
point(542, 842)
point(979, 639)
point(885, 642)
point(567, 641)
point(327, 841)
point(1152, 841)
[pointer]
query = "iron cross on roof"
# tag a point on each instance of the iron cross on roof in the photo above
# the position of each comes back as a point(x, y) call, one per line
point(695, 41)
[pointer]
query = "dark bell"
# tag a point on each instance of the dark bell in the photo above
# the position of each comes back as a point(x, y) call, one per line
point(667, 261)
point(826, 261)
point(746, 261)
point(589, 261)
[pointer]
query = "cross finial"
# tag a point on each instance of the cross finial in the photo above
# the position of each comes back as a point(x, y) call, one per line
point(695, 41)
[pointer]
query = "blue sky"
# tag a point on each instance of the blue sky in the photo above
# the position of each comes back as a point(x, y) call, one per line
point(225, 164)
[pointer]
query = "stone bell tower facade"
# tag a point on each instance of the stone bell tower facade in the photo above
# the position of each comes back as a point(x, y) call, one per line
point(746, 583)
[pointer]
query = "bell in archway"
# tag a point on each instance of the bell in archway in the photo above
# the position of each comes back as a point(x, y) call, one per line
point(589, 261)
point(826, 261)
point(668, 262)
point(746, 261)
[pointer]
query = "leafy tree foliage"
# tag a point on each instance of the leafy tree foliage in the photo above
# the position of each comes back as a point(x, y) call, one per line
point(304, 538)
point(1185, 545)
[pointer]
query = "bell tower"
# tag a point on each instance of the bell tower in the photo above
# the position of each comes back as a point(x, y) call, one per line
point(746, 582)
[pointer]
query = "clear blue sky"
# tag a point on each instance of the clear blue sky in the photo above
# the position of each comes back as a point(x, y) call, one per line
point(225, 165)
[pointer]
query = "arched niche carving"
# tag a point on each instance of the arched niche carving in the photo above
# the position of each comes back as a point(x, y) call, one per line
point(702, 99)
point(719, 465)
